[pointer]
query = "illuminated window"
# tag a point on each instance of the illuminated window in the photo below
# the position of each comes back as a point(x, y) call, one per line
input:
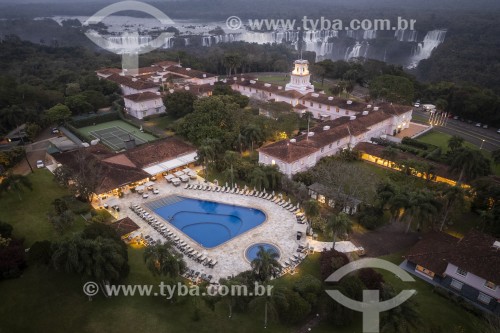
point(273, 162)
point(425, 271)
point(490, 285)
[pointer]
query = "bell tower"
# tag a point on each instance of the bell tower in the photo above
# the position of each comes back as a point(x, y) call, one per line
point(300, 78)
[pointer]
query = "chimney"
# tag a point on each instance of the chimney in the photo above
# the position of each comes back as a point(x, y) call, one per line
point(365, 113)
point(375, 108)
point(330, 98)
point(326, 128)
point(369, 106)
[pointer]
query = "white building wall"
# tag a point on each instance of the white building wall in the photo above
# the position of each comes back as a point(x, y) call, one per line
point(473, 281)
point(126, 90)
point(143, 109)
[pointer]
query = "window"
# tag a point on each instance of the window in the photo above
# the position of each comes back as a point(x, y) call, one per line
point(338, 142)
point(319, 105)
point(330, 146)
point(461, 272)
point(312, 104)
point(322, 149)
point(328, 108)
point(483, 298)
point(456, 284)
point(490, 285)
point(424, 271)
point(303, 102)
point(346, 112)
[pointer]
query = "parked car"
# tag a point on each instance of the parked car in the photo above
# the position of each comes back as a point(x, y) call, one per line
point(485, 126)
point(498, 131)
point(156, 191)
point(417, 105)
point(478, 125)
point(456, 117)
point(40, 164)
point(55, 130)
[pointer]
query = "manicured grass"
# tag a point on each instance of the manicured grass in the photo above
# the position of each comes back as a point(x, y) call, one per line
point(28, 216)
point(435, 311)
point(441, 140)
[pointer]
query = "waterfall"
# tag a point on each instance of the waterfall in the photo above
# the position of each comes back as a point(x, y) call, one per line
point(206, 41)
point(169, 43)
point(127, 42)
point(406, 35)
point(354, 53)
point(369, 34)
point(424, 49)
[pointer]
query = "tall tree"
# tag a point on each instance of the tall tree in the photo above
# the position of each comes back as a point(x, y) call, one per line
point(161, 260)
point(455, 142)
point(265, 265)
point(470, 164)
point(338, 225)
point(15, 183)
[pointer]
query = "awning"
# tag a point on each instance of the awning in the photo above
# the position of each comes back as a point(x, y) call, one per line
point(171, 164)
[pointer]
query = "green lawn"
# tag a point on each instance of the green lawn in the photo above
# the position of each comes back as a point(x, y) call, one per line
point(28, 216)
point(441, 140)
point(164, 123)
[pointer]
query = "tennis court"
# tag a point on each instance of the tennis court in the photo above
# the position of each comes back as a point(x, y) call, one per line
point(114, 134)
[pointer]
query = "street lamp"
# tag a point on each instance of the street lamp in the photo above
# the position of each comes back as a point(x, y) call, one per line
point(482, 143)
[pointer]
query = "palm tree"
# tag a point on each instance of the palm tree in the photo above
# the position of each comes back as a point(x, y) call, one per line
point(455, 142)
point(15, 183)
point(338, 225)
point(252, 134)
point(385, 192)
point(231, 158)
point(231, 62)
point(422, 206)
point(258, 178)
point(99, 259)
point(273, 175)
point(311, 208)
point(206, 153)
point(470, 163)
point(266, 264)
point(452, 197)
point(404, 318)
point(270, 303)
point(398, 204)
point(161, 260)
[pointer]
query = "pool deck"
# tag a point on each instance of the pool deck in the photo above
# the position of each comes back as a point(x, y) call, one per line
point(279, 229)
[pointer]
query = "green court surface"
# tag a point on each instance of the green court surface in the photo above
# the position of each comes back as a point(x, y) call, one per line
point(114, 134)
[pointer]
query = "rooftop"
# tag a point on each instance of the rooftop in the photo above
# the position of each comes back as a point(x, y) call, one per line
point(124, 226)
point(145, 96)
point(474, 253)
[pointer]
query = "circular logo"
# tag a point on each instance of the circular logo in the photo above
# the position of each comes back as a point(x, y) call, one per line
point(90, 288)
point(234, 22)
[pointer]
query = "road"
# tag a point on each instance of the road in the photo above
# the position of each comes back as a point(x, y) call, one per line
point(469, 132)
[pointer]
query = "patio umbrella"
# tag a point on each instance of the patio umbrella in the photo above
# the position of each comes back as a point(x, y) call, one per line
point(139, 188)
point(149, 184)
point(179, 173)
point(273, 193)
point(187, 170)
point(289, 200)
point(227, 185)
point(264, 190)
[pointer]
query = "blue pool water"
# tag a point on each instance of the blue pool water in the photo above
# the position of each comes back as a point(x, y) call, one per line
point(251, 252)
point(206, 222)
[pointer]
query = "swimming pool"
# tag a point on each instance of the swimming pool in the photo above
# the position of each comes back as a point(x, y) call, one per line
point(251, 252)
point(208, 223)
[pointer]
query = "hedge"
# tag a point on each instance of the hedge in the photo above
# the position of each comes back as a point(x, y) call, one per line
point(95, 119)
